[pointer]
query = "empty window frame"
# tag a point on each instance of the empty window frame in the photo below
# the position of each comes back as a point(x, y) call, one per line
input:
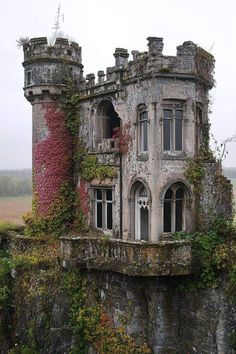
point(28, 77)
point(173, 127)
point(174, 209)
point(143, 132)
point(103, 208)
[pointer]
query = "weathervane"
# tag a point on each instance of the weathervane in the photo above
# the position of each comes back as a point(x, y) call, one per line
point(57, 26)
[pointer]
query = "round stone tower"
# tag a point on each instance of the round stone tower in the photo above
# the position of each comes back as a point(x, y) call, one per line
point(47, 69)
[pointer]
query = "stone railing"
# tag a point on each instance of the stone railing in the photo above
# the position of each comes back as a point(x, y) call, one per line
point(127, 257)
point(108, 145)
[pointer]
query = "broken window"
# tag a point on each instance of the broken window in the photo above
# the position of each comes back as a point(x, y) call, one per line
point(103, 208)
point(174, 209)
point(106, 121)
point(173, 127)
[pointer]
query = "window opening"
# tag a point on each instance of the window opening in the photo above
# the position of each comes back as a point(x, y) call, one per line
point(103, 208)
point(28, 77)
point(173, 128)
point(141, 214)
point(174, 209)
point(143, 133)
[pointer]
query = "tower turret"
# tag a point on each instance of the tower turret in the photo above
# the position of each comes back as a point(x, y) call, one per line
point(47, 69)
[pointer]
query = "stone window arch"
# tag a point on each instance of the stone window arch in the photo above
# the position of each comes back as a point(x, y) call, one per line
point(175, 208)
point(140, 211)
point(173, 126)
point(107, 120)
point(142, 129)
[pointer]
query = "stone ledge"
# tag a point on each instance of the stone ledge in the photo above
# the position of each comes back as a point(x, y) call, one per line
point(127, 257)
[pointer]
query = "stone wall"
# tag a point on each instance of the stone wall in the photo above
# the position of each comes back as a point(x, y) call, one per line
point(152, 309)
point(216, 197)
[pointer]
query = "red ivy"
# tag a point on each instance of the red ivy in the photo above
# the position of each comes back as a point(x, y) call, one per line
point(84, 197)
point(123, 137)
point(52, 158)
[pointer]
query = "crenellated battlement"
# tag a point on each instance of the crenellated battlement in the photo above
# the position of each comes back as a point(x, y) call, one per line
point(62, 50)
point(190, 62)
point(47, 67)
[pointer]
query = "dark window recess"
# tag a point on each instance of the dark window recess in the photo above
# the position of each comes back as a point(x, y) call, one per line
point(112, 120)
point(179, 215)
point(99, 194)
point(179, 193)
point(166, 134)
point(108, 194)
point(173, 209)
point(178, 135)
point(109, 216)
point(167, 216)
point(103, 204)
point(99, 215)
point(28, 77)
point(144, 224)
point(173, 129)
point(143, 121)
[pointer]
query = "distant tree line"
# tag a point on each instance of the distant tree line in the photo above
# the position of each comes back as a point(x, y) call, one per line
point(230, 172)
point(15, 182)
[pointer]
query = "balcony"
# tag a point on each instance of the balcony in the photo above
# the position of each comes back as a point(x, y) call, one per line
point(127, 257)
point(108, 145)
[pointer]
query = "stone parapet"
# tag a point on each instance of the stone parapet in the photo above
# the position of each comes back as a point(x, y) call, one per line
point(191, 62)
point(39, 48)
point(127, 257)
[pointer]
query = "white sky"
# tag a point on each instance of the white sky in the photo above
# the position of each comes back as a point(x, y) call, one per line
point(99, 26)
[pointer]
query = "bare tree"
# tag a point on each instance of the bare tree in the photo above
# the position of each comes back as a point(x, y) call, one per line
point(220, 149)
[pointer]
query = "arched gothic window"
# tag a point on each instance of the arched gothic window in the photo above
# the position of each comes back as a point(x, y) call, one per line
point(174, 213)
point(143, 132)
point(106, 121)
point(172, 127)
point(141, 213)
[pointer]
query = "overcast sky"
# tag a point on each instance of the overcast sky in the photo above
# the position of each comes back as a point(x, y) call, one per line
point(99, 26)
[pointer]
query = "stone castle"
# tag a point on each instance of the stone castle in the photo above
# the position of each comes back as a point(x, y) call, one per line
point(140, 164)
point(147, 118)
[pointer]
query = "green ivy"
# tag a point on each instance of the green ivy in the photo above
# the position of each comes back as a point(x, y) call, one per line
point(214, 252)
point(93, 327)
point(195, 173)
point(90, 168)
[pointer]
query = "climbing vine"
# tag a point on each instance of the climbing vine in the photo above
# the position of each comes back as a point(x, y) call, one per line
point(122, 134)
point(214, 254)
point(55, 202)
point(90, 168)
point(92, 326)
point(194, 174)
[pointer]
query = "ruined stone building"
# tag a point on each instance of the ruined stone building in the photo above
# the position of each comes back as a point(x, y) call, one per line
point(147, 118)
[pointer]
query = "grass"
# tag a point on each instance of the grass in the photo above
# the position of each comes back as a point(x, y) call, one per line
point(12, 208)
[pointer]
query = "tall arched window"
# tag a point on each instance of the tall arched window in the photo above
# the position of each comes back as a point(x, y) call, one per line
point(173, 127)
point(141, 213)
point(174, 212)
point(143, 132)
point(107, 120)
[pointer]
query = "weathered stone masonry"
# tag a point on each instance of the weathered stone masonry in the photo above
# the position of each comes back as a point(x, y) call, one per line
point(159, 104)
